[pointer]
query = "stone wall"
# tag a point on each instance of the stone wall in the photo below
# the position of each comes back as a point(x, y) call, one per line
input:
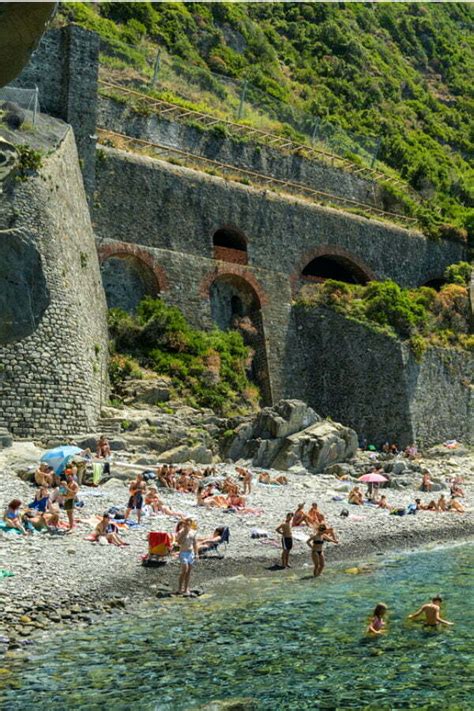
point(373, 383)
point(64, 67)
point(320, 175)
point(186, 281)
point(156, 204)
point(53, 333)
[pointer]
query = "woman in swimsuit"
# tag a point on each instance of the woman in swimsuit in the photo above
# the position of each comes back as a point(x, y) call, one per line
point(377, 624)
point(316, 543)
point(12, 516)
point(44, 513)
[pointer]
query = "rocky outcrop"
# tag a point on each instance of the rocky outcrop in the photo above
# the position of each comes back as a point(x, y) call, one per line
point(291, 435)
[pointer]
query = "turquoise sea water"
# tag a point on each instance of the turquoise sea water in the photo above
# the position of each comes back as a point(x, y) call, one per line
point(274, 643)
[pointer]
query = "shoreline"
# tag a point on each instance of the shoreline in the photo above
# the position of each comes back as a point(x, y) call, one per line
point(157, 583)
point(65, 580)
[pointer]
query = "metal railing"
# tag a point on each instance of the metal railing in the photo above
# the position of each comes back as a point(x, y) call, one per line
point(175, 112)
point(249, 177)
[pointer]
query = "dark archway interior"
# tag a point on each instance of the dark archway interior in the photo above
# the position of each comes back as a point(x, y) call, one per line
point(229, 238)
point(338, 268)
point(236, 306)
point(436, 283)
point(127, 280)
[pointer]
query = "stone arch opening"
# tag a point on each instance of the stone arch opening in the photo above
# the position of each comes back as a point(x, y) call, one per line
point(337, 267)
point(236, 305)
point(230, 245)
point(127, 279)
point(437, 283)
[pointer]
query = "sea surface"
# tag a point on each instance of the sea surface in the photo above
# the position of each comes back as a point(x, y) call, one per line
point(272, 643)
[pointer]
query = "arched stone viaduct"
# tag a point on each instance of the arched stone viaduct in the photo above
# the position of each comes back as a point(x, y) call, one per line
point(222, 252)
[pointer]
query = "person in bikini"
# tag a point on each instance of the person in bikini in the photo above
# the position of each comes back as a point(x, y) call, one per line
point(72, 489)
point(284, 529)
point(44, 513)
point(107, 529)
point(431, 612)
point(356, 497)
point(316, 542)
point(377, 623)
point(454, 505)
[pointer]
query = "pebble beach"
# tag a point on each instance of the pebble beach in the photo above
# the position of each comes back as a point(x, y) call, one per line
point(61, 579)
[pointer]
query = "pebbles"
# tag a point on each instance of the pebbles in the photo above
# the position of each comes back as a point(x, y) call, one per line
point(67, 580)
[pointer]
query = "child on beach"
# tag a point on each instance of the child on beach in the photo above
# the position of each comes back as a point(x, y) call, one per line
point(284, 529)
point(377, 624)
point(431, 612)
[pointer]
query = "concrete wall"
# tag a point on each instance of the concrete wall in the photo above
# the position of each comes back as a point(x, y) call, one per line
point(156, 204)
point(119, 117)
point(53, 349)
point(373, 383)
point(64, 67)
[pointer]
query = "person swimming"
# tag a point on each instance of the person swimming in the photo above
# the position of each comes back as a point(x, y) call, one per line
point(377, 623)
point(431, 612)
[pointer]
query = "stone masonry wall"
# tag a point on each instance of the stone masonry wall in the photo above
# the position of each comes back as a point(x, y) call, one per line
point(373, 383)
point(119, 117)
point(53, 379)
point(155, 204)
point(64, 67)
point(184, 280)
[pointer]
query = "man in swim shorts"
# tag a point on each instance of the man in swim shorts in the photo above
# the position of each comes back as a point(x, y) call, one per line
point(431, 613)
point(284, 529)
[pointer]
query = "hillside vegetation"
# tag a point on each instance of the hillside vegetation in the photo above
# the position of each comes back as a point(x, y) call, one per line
point(423, 316)
point(207, 369)
point(399, 71)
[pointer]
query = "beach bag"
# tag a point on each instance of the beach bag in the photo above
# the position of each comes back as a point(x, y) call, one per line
point(398, 512)
point(344, 513)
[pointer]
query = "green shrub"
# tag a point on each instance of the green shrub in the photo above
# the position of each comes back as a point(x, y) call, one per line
point(207, 369)
point(459, 273)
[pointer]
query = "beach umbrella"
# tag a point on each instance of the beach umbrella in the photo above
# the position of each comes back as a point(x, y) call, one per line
point(372, 478)
point(59, 457)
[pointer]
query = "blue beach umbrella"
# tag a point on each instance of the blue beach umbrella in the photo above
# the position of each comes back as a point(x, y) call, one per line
point(59, 457)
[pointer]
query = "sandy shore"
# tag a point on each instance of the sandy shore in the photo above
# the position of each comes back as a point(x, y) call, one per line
point(64, 579)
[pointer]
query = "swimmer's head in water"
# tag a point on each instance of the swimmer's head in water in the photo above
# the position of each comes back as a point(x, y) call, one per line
point(380, 609)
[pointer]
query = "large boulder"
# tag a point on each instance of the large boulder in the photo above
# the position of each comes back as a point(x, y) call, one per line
point(184, 453)
point(291, 434)
point(149, 390)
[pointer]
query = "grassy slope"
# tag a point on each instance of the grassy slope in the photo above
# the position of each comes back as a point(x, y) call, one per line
point(398, 70)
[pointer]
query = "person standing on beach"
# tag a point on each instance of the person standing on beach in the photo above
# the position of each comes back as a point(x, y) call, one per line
point(188, 553)
point(72, 488)
point(284, 529)
point(431, 612)
point(316, 543)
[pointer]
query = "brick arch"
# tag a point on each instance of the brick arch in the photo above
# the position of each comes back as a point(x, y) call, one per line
point(233, 270)
point(125, 249)
point(230, 250)
point(330, 251)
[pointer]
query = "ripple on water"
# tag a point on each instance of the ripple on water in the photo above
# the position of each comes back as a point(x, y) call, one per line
point(298, 644)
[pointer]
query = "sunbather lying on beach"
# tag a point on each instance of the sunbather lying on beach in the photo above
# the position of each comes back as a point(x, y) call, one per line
point(157, 505)
point(43, 513)
point(265, 478)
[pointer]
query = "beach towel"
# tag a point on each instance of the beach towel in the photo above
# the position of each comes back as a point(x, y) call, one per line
point(97, 471)
point(7, 529)
point(159, 543)
point(259, 533)
point(6, 573)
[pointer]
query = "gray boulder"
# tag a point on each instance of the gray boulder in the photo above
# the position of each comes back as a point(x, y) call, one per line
point(185, 453)
point(150, 390)
point(291, 434)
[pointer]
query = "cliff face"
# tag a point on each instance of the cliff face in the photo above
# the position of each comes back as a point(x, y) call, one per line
point(53, 333)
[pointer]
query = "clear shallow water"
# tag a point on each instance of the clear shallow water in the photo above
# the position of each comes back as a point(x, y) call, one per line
point(279, 644)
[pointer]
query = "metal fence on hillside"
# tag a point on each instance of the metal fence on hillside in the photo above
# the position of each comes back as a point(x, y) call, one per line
point(234, 100)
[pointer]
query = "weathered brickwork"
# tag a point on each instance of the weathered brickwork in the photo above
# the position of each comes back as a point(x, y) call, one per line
point(54, 380)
